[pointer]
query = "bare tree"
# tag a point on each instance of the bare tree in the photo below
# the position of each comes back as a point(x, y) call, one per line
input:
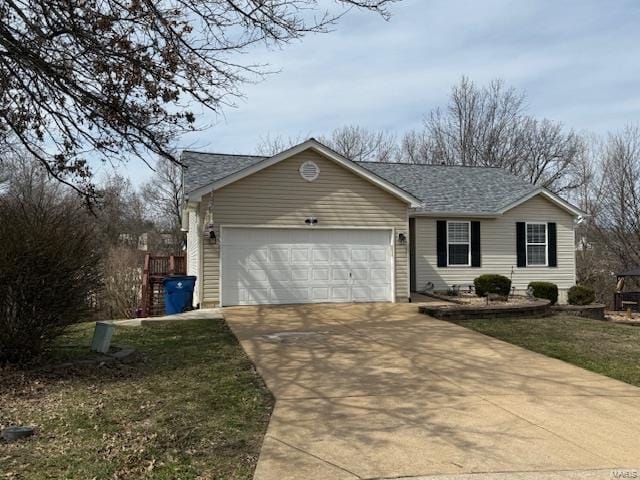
point(489, 126)
point(550, 157)
point(270, 145)
point(617, 217)
point(121, 214)
point(122, 280)
point(362, 145)
point(413, 147)
point(114, 78)
point(163, 197)
point(479, 126)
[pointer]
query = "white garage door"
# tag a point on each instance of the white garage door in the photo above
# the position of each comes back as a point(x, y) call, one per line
point(277, 265)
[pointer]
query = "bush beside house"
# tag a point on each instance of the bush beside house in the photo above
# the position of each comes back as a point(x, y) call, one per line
point(50, 270)
point(546, 290)
point(492, 283)
point(581, 295)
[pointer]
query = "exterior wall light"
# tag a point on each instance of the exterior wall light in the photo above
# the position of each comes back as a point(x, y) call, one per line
point(210, 234)
point(402, 239)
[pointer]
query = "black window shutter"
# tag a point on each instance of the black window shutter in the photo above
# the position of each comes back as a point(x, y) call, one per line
point(442, 243)
point(552, 237)
point(475, 244)
point(521, 241)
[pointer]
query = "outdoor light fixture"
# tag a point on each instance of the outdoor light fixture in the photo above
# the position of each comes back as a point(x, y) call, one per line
point(210, 234)
point(402, 239)
point(311, 221)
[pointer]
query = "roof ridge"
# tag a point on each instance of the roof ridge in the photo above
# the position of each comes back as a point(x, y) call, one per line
point(225, 154)
point(431, 164)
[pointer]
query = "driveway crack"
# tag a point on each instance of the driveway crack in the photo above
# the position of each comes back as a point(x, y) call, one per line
point(316, 457)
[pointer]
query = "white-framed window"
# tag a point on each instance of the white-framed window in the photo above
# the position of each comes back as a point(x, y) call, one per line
point(537, 244)
point(458, 244)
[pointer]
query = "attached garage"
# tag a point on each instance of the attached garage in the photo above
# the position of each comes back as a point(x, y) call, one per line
point(302, 265)
point(304, 226)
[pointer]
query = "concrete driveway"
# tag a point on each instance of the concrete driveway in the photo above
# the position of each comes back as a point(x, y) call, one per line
point(374, 391)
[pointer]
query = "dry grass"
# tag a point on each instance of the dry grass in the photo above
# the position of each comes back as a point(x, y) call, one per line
point(189, 405)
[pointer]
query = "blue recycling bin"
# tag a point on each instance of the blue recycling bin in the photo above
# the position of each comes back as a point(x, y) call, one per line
point(178, 293)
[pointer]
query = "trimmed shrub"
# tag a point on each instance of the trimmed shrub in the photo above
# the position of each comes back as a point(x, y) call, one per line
point(546, 290)
point(581, 295)
point(492, 283)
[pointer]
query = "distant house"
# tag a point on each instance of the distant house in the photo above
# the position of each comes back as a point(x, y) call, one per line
point(308, 225)
point(154, 241)
point(151, 242)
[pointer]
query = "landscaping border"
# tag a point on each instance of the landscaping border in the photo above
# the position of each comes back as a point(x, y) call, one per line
point(536, 308)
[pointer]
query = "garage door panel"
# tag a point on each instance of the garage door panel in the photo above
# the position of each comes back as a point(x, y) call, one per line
point(359, 254)
point(258, 257)
point(300, 255)
point(339, 255)
point(256, 296)
point(379, 274)
point(271, 266)
point(360, 274)
point(279, 274)
point(377, 255)
point(290, 295)
point(321, 274)
point(321, 255)
point(340, 293)
point(279, 254)
point(340, 274)
point(299, 274)
point(255, 275)
point(320, 293)
point(378, 292)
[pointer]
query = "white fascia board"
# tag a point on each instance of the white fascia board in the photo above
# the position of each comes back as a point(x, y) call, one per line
point(323, 150)
point(573, 210)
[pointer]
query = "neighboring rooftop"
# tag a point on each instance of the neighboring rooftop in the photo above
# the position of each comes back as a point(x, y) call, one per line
point(442, 188)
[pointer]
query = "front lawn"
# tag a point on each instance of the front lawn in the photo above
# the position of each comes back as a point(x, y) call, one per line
point(606, 348)
point(188, 405)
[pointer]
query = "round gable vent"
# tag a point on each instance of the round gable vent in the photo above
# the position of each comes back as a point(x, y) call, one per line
point(309, 171)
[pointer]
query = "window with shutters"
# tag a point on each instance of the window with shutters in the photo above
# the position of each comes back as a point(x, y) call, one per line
point(459, 244)
point(537, 244)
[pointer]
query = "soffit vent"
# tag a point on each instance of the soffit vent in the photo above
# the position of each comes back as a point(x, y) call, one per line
point(309, 171)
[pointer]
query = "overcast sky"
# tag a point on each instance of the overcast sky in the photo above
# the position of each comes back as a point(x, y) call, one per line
point(577, 61)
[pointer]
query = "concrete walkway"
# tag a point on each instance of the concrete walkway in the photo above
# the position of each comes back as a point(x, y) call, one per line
point(376, 391)
point(203, 313)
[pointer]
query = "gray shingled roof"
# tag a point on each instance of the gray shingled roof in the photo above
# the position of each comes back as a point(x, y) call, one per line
point(454, 188)
point(201, 169)
point(442, 188)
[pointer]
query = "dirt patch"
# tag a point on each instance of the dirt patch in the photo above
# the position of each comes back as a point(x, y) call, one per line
point(623, 318)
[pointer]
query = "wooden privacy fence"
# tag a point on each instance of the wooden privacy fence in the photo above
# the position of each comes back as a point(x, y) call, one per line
point(156, 269)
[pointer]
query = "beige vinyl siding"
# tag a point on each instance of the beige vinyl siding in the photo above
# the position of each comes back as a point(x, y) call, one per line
point(278, 195)
point(498, 248)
